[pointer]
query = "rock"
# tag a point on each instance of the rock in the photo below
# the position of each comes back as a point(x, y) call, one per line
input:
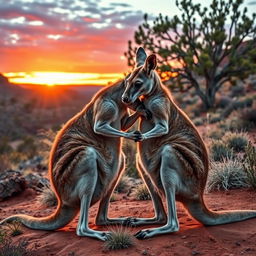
point(11, 183)
point(36, 181)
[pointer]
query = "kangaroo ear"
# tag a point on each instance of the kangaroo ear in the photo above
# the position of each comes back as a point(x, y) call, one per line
point(150, 63)
point(141, 56)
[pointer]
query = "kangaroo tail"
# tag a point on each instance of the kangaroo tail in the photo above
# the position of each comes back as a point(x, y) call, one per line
point(59, 219)
point(200, 212)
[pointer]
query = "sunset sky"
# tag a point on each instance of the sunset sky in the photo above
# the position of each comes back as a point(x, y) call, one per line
point(82, 36)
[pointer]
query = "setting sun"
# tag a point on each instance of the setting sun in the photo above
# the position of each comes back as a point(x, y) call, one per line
point(62, 78)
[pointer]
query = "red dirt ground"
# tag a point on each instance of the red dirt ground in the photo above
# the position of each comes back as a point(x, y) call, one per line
point(192, 239)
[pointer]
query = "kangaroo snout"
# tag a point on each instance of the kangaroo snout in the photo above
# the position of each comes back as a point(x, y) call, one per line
point(125, 99)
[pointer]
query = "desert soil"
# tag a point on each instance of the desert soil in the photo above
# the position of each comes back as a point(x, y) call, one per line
point(192, 238)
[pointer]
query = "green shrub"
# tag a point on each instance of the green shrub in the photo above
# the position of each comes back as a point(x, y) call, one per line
point(142, 193)
point(120, 238)
point(113, 197)
point(235, 123)
point(214, 118)
point(226, 175)
point(198, 121)
point(219, 150)
point(250, 164)
point(223, 102)
point(236, 141)
point(215, 134)
point(14, 228)
point(48, 197)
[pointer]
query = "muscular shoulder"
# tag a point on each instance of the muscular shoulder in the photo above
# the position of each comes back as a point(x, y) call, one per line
point(159, 104)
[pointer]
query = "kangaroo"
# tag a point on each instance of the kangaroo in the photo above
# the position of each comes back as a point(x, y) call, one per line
point(86, 162)
point(173, 158)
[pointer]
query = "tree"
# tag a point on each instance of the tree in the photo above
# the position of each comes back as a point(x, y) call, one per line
point(217, 44)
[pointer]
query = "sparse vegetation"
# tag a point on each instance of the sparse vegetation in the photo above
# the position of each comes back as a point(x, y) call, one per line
point(250, 164)
point(220, 151)
point(226, 175)
point(122, 185)
point(14, 228)
point(236, 141)
point(120, 238)
point(142, 193)
point(11, 249)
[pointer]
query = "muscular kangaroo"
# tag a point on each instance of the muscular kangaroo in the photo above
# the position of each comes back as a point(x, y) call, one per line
point(172, 155)
point(86, 161)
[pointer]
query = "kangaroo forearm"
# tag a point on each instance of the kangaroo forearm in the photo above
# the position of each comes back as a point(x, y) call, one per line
point(157, 131)
point(108, 130)
point(129, 121)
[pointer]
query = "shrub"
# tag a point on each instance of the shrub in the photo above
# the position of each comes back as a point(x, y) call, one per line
point(226, 175)
point(198, 121)
point(249, 115)
point(214, 118)
point(216, 134)
point(142, 193)
point(3, 236)
point(113, 197)
point(235, 123)
point(14, 228)
point(250, 164)
point(219, 150)
point(9, 249)
point(223, 102)
point(122, 185)
point(48, 197)
point(236, 141)
point(120, 238)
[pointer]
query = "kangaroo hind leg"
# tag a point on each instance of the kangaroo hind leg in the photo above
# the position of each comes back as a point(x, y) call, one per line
point(85, 188)
point(102, 215)
point(169, 179)
point(160, 215)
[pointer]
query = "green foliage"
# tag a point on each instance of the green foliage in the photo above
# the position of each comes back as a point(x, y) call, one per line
point(14, 228)
point(236, 141)
point(220, 150)
point(142, 193)
point(250, 164)
point(48, 197)
point(216, 43)
point(120, 238)
point(226, 175)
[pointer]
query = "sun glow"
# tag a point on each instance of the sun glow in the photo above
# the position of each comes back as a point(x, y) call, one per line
point(62, 78)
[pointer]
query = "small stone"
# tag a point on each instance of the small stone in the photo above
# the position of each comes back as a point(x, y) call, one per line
point(144, 252)
point(184, 237)
point(195, 253)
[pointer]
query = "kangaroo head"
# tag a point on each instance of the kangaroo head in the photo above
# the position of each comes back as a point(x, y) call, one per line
point(141, 80)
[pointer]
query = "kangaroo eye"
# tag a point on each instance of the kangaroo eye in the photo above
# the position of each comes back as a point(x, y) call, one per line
point(138, 83)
